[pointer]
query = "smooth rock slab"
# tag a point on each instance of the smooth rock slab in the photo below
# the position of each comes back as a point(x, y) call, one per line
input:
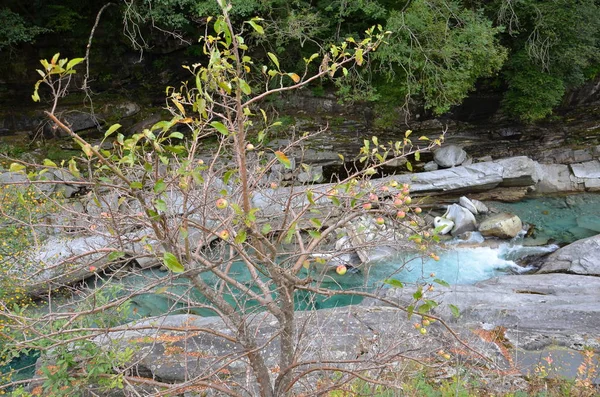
point(589, 169)
point(563, 306)
point(580, 257)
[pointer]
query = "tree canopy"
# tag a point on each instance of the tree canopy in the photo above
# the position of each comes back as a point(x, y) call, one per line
point(532, 51)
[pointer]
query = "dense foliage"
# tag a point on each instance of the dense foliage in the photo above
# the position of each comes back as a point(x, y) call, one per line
point(531, 51)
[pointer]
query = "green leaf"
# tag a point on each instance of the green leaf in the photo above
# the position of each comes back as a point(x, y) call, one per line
point(176, 135)
point(418, 293)
point(244, 87)
point(87, 149)
point(160, 205)
point(409, 165)
point(316, 222)
point(172, 263)
point(220, 127)
point(455, 311)
point(73, 168)
point(74, 62)
point(274, 59)
point(424, 308)
point(410, 310)
point(160, 186)
point(16, 167)
point(290, 233)
point(310, 196)
point(112, 129)
point(240, 237)
point(359, 56)
point(283, 159)
point(259, 29)
point(418, 156)
point(136, 185)
point(314, 234)
point(113, 256)
point(266, 228)
point(49, 163)
point(394, 283)
point(441, 282)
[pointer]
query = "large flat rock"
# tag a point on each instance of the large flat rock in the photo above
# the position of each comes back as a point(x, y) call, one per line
point(580, 257)
point(562, 305)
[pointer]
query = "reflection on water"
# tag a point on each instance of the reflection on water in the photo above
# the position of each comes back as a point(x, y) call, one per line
point(559, 219)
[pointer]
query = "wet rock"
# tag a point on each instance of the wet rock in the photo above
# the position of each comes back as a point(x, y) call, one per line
point(450, 156)
point(463, 219)
point(580, 257)
point(503, 225)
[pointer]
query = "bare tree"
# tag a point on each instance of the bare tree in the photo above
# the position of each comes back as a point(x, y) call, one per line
point(193, 194)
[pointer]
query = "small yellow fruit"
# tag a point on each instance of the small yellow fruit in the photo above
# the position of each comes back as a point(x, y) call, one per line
point(222, 203)
point(423, 331)
point(341, 270)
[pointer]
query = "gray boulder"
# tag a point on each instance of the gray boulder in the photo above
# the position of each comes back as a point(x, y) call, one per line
point(464, 220)
point(450, 156)
point(503, 225)
point(468, 204)
point(580, 257)
point(430, 166)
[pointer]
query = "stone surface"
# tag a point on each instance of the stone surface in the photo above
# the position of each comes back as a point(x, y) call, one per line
point(468, 204)
point(580, 257)
point(355, 333)
point(61, 261)
point(450, 156)
point(503, 225)
point(589, 169)
point(430, 166)
point(518, 171)
point(565, 308)
point(464, 220)
point(555, 178)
